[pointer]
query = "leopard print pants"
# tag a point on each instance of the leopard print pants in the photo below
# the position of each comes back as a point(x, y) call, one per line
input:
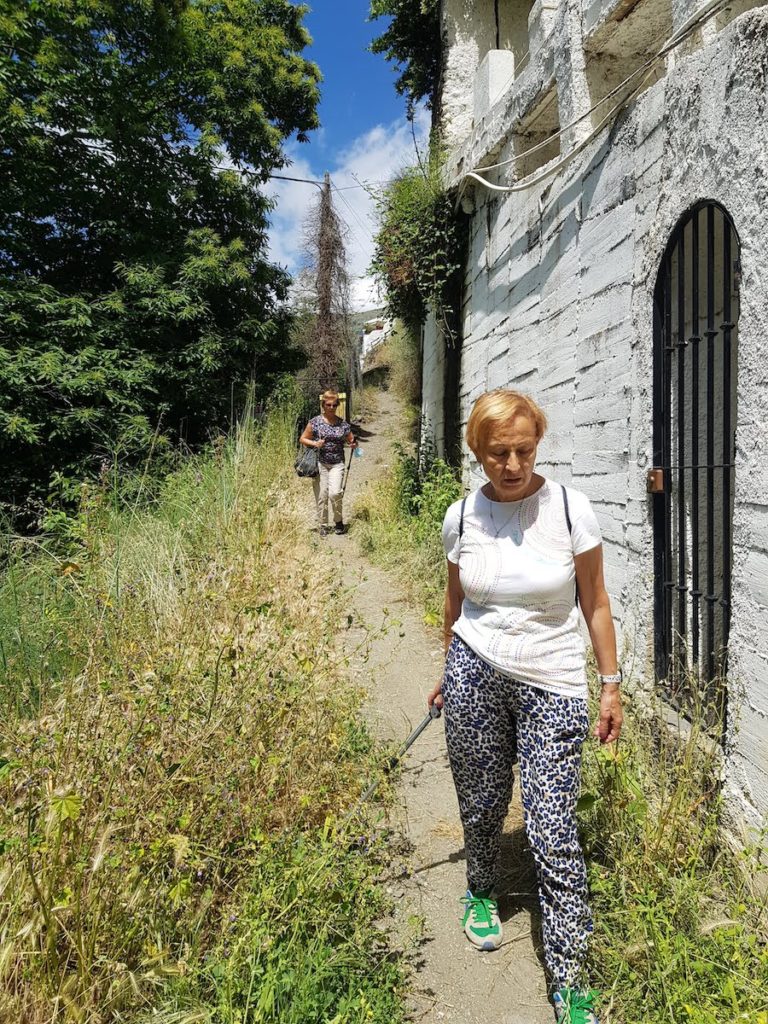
point(492, 721)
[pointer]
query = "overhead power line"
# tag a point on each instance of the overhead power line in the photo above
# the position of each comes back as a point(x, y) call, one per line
point(320, 184)
point(366, 228)
point(304, 181)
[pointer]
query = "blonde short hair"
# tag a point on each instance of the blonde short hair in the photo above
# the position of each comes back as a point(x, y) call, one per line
point(497, 407)
point(329, 396)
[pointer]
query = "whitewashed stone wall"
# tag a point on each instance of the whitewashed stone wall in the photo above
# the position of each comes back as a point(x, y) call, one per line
point(433, 385)
point(468, 34)
point(560, 278)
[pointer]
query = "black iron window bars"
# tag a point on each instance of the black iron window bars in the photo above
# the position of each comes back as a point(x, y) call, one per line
point(694, 417)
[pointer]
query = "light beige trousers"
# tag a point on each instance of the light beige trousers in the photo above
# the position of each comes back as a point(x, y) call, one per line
point(327, 484)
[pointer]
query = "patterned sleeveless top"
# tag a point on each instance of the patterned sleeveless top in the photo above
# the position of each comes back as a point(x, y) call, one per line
point(332, 452)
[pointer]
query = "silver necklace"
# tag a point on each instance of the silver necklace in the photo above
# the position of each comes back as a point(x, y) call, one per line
point(517, 533)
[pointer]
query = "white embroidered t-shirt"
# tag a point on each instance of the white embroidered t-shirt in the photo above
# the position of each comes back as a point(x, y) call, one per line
point(517, 572)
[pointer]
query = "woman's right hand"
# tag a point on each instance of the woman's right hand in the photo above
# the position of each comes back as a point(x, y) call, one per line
point(320, 443)
point(435, 696)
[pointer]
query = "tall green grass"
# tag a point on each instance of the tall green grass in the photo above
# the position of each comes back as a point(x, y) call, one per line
point(405, 376)
point(177, 747)
point(401, 517)
point(681, 923)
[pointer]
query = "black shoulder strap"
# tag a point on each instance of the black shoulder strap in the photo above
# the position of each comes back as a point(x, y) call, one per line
point(461, 516)
point(565, 506)
point(570, 529)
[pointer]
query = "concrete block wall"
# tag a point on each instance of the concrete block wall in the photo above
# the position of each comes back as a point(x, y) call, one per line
point(469, 32)
point(558, 302)
point(496, 71)
point(433, 383)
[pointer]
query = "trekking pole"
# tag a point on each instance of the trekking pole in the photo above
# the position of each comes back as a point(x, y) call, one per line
point(346, 472)
point(392, 763)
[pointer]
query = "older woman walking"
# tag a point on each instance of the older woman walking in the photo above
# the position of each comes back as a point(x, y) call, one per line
point(329, 433)
point(520, 549)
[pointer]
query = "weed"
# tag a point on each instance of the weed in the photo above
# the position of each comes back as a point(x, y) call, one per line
point(403, 513)
point(304, 947)
point(366, 403)
point(679, 933)
point(175, 740)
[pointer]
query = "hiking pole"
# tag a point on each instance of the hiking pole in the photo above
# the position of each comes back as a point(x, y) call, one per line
point(346, 472)
point(392, 763)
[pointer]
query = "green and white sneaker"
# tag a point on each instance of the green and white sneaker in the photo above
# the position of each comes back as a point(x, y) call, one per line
point(481, 919)
point(575, 1006)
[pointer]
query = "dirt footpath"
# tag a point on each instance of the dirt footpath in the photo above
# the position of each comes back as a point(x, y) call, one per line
point(453, 982)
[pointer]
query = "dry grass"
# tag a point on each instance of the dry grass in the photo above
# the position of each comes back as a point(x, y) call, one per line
point(172, 710)
point(401, 517)
point(367, 403)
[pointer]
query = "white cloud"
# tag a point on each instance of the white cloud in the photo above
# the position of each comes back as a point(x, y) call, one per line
point(372, 158)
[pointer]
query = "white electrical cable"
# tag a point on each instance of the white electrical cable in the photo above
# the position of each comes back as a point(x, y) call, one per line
point(553, 168)
point(695, 21)
point(572, 124)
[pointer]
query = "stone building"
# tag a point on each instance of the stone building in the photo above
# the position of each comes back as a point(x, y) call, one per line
point(611, 157)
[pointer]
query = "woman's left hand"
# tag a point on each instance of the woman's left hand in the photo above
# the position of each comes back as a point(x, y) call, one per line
point(608, 724)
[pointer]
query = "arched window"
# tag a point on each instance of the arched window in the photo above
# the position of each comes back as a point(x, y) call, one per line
point(696, 310)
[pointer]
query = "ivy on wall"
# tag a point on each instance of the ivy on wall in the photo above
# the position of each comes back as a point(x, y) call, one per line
point(419, 247)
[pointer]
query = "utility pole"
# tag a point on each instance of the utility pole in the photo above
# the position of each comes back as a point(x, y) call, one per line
point(325, 266)
point(328, 341)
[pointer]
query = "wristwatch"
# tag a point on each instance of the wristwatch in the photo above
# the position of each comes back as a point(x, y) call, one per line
point(615, 678)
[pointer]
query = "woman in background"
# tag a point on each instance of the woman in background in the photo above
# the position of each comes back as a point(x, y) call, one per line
point(329, 433)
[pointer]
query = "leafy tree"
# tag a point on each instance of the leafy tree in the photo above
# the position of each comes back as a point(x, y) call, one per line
point(412, 43)
point(135, 286)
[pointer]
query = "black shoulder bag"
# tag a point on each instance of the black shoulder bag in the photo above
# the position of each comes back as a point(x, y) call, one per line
point(306, 462)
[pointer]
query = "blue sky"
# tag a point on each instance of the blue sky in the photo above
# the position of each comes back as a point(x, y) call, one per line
point(357, 84)
point(364, 137)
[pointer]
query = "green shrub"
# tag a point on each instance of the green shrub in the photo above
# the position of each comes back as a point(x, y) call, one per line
point(402, 517)
point(420, 247)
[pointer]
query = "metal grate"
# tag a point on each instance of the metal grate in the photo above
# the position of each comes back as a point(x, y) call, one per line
point(696, 304)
